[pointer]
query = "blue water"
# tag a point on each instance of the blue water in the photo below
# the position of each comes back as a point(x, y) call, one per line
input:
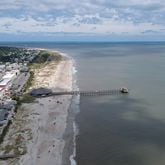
point(119, 130)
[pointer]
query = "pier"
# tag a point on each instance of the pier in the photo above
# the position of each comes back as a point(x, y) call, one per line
point(43, 92)
point(89, 93)
point(122, 90)
point(46, 92)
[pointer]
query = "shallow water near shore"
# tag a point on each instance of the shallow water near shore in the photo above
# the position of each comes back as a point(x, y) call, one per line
point(119, 130)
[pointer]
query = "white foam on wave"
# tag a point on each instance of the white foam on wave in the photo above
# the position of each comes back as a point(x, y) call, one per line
point(72, 157)
point(76, 102)
point(74, 70)
point(74, 67)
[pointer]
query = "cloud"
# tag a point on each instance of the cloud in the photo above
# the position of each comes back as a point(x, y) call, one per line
point(90, 20)
point(86, 16)
point(149, 32)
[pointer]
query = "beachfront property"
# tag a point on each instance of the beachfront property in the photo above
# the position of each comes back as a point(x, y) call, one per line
point(2, 70)
point(6, 113)
point(14, 74)
point(7, 105)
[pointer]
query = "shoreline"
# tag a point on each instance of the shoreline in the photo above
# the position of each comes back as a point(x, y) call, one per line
point(45, 121)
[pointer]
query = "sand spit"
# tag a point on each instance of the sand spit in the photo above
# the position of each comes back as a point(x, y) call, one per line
point(39, 126)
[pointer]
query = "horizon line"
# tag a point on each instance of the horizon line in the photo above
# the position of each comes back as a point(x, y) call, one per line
point(78, 41)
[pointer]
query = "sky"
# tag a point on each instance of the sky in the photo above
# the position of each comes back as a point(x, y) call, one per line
point(86, 20)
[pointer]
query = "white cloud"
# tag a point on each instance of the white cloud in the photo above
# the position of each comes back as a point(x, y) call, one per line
point(86, 16)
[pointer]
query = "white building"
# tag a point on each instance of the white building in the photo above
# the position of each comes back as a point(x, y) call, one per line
point(2, 69)
point(1, 94)
point(4, 82)
point(10, 75)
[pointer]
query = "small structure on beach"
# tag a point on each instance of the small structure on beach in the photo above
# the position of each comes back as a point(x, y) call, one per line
point(41, 92)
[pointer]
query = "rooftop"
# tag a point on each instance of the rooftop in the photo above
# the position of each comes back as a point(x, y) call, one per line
point(9, 75)
point(5, 81)
point(3, 114)
point(41, 91)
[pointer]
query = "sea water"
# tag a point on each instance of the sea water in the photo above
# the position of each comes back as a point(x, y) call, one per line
point(123, 129)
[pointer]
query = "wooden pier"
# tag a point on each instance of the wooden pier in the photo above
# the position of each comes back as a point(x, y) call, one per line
point(91, 93)
point(42, 92)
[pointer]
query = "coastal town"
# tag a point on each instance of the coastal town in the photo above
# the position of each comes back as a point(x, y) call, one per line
point(36, 91)
point(14, 75)
point(27, 123)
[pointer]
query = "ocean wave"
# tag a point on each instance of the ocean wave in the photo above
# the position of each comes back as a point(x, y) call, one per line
point(72, 157)
point(76, 109)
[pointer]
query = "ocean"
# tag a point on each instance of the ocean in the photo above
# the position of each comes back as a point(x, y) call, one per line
point(123, 129)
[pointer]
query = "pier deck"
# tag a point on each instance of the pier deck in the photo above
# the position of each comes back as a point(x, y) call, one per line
point(41, 92)
point(90, 93)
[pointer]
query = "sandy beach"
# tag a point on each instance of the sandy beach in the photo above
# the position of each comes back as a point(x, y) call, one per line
point(40, 126)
